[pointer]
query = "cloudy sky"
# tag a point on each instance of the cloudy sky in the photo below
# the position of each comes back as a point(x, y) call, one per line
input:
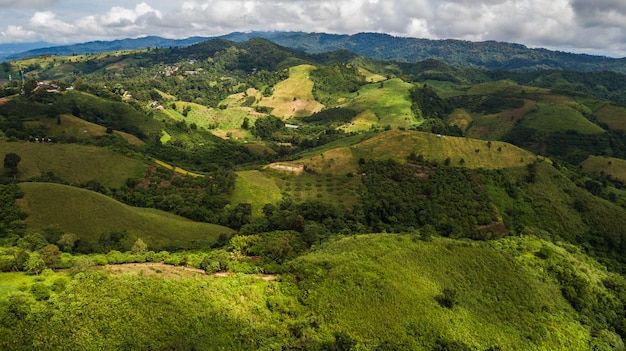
point(584, 26)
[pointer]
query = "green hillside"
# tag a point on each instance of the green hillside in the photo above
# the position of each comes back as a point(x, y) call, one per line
point(614, 167)
point(293, 97)
point(75, 164)
point(311, 202)
point(400, 144)
point(388, 100)
point(89, 215)
point(367, 292)
point(386, 290)
point(559, 118)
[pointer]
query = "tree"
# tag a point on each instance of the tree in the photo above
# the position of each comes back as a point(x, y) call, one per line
point(35, 264)
point(51, 255)
point(29, 86)
point(139, 246)
point(11, 160)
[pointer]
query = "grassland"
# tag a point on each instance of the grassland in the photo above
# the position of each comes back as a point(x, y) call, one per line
point(75, 164)
point(89, 214)
point(608, 165)
point(389, 102)
point(460, 118)
point(495, 126)
point(613, 116)
point(559, 118)
point(256, 188)
point(400, 144)
point(293, 97)
point(71, 126)
point(370, 76)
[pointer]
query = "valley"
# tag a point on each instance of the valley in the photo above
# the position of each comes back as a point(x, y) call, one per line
point(245, 195)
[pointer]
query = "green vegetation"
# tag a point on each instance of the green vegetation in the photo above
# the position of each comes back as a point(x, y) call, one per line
point(310, 202)
point(389, 100)
point(94, 215)
point(74, 164)
point(353, 292)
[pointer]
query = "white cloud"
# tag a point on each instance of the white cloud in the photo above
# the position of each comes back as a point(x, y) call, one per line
point(579, 25)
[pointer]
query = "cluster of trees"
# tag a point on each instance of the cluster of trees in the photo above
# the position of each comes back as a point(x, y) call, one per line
point(11, 215)
point(198, 198)
point(335, 80)
point(401, 197)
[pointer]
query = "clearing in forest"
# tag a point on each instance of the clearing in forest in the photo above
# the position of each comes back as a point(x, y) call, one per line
point(293, 97)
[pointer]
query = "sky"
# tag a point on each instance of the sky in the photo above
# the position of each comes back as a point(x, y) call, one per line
point(581, 26)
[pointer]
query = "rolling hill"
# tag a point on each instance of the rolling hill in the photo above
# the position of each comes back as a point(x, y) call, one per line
point(74, 164)
point(89, 215)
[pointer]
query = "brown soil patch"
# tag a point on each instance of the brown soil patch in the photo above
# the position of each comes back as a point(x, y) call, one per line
point(4, 100)
point(155, 269)
point(297, 169)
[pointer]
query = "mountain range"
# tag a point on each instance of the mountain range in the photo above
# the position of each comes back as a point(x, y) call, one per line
point(484, 55)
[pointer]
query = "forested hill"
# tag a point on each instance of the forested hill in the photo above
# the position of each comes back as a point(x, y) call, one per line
point(489, 54)
point(104, 46)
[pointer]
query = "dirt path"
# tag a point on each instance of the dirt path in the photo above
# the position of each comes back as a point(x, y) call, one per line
point(162, 270)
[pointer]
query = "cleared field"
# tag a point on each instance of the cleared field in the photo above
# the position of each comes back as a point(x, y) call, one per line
point(362, 122)
point(370, 76)
point(89, 214)
point(388, 100)
point(256, 188)
point(459, 118)
point(74, 163)
point(293, 97)
point(337, 189)
point(609, 165)
point(613, 116)
point(495, 126)
point(219, 122)
point(559, 118)
point(400, 144)
point(71, 126)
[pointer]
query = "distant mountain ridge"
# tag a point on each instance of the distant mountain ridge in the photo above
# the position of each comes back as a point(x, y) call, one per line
point(16, 48)
point(485, 55)
point(107, 46)
point(488, 54)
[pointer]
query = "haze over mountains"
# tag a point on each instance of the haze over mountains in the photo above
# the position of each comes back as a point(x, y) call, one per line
point(487, 55)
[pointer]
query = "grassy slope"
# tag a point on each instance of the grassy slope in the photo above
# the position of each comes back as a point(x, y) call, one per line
point(399, 144)
point(89, 214)
point(256, 188)
point(384, 289)
point(293, 97)
point(76, 164)
point(613, 116)
point(81, 129)
point(559, 118)
point(609, 165)
point(379, 290)
point(390, 104)
point(494, 126)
